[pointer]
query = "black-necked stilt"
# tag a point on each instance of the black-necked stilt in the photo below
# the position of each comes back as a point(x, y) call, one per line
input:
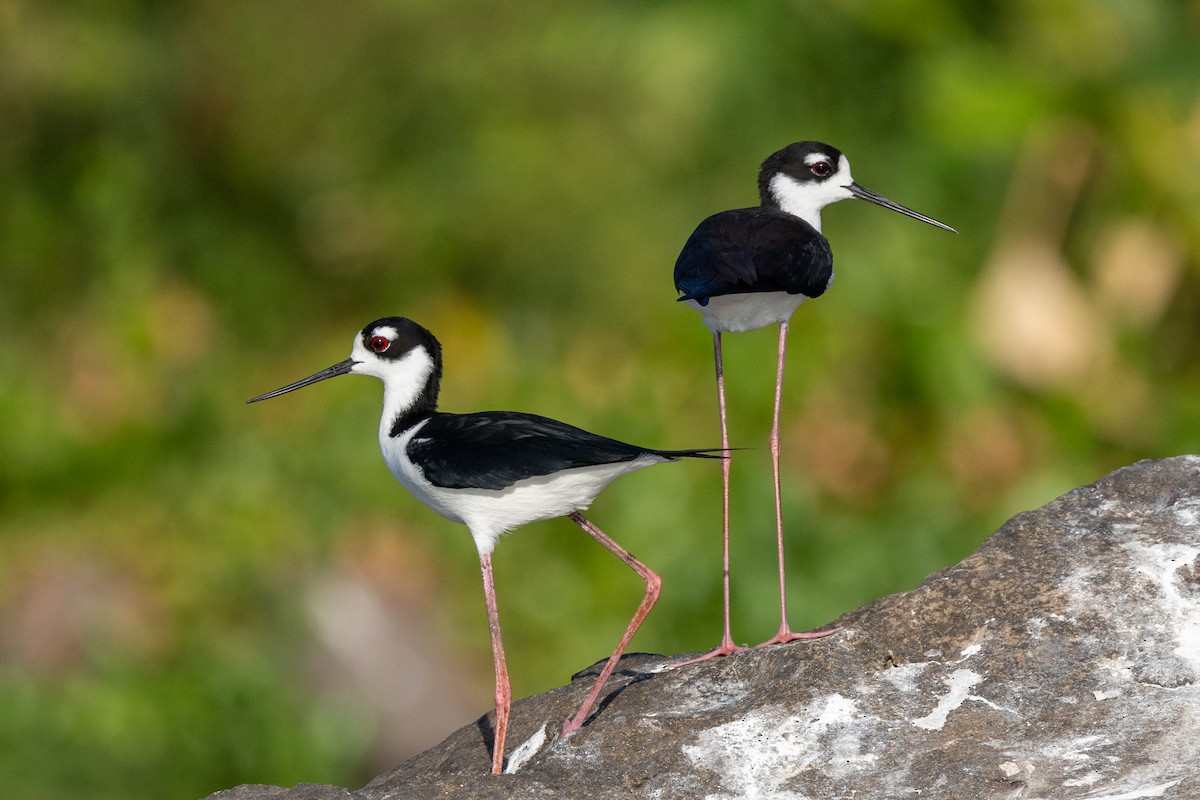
point(750, 267)
point(493, 471)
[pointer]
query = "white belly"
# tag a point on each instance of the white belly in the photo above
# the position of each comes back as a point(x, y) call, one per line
point(734, 313)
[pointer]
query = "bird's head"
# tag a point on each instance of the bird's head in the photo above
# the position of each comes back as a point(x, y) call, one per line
point(804, 177)
point(398, 351)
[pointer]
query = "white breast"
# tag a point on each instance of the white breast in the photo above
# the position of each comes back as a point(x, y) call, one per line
point(733, 313)
point(410, 476)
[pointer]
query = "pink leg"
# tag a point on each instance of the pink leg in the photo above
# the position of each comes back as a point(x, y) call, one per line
point(503, 689)
point(727, 647)
point(653, 587)
point(785, 633)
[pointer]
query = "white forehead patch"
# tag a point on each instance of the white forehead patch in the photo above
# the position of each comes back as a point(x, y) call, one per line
point(843, 170)
point(388, 331)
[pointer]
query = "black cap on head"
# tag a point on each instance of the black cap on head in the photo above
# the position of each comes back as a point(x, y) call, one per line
point(796, 161)
point(407, 335)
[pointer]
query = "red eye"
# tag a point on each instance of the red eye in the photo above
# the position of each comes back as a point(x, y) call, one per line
point(380, 343)
point(821, 169)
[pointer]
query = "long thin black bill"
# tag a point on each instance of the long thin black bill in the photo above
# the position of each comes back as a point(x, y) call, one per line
point(340, 368)
point(863, 193)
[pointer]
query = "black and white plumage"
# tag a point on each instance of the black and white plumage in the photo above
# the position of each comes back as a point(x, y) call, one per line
point(775, 248)
point(492, 471)
point(748, 268)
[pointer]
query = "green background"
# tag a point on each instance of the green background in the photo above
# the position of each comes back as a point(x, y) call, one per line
point(201, 201)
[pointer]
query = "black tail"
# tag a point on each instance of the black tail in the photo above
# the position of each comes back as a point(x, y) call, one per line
point(712, 452)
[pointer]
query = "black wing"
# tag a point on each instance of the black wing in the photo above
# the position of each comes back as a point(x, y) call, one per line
point(753, 250)
point(495, 449)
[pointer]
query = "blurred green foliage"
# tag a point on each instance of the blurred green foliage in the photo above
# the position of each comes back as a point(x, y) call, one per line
point(200, 201)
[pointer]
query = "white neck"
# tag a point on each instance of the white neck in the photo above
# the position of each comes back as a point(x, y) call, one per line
point(403, 381)
point(397, 399)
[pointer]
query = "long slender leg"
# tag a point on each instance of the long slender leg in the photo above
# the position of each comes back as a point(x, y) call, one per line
point(726, 647)
point(503, 689)
point(653, 587)
point(785, 633)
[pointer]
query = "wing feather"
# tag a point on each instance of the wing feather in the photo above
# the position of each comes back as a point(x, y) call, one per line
point(495, 449)
point(753, 250)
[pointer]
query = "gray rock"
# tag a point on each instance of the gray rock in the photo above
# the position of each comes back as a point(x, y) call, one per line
point(302, 791)
point(1060, 660)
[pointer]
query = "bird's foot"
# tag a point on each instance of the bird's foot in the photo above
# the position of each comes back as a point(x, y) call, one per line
point(786, 635)
point(726, 648)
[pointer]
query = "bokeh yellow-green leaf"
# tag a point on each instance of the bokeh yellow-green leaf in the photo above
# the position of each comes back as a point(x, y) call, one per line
point(201, 201)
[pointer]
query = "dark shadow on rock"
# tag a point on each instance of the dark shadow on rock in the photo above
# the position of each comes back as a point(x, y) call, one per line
point(487, 732)
point(627, 668)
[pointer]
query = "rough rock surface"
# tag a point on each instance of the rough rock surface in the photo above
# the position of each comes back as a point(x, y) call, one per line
point(1060, 660)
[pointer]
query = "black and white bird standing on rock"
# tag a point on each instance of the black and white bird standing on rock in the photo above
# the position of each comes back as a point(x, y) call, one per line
point(493, 471)
point(748, 268)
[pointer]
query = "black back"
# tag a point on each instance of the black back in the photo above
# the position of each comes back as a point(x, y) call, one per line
point(495, 449)
point(753, 250)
